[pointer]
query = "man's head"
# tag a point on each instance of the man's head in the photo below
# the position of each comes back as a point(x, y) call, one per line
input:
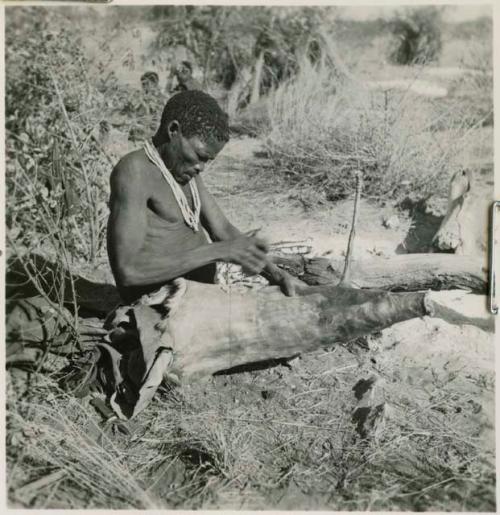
point(184, 71)
point(149, 82)
point(193, 130)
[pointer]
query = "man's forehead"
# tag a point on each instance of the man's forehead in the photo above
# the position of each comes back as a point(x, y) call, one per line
point(209, 147)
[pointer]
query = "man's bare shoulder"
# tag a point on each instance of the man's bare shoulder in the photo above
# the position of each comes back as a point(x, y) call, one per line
point(131, 170)
point(132, 162)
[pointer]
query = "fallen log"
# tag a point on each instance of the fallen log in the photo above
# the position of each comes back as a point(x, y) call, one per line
point(406, 272)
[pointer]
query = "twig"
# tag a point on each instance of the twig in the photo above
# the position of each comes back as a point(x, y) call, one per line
point(88, 191)
point(45, 289)
point(346, 275)
point(27, 492)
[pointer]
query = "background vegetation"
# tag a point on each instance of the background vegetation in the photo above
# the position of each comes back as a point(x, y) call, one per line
point(62, 106)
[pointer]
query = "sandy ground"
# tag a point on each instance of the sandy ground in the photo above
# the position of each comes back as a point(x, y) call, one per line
point(255, 203)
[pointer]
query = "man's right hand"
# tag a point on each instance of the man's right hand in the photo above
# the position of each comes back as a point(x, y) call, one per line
point(248, 251)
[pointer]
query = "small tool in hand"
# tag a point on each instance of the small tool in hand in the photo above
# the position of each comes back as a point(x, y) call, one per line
point(253, 232)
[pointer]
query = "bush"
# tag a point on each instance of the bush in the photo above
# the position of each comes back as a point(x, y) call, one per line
point(277, 36)
point(323, 130)
point(417, 36)
point(58, 165)
point(57, 169)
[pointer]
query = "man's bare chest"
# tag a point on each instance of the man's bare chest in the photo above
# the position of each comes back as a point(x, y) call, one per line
point(162, 202)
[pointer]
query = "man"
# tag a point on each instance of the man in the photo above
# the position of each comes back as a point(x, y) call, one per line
point(160, 207)
point(146, 107)
point(185, 80)
point(150, 83)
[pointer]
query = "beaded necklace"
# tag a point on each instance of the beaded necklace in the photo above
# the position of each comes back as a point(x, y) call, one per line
point(191, 218)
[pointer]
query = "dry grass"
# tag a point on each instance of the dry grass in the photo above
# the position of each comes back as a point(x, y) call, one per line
point(280, 438)
point(323, 130)
point(54, 432)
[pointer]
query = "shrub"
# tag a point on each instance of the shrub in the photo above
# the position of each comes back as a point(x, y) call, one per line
point(322, 129)
point(417, 36)
point(57, 168)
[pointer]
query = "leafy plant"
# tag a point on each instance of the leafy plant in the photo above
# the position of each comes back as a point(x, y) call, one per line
point(54, 120)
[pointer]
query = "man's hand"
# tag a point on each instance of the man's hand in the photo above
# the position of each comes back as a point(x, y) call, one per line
point(246, 250)
point(289, 284)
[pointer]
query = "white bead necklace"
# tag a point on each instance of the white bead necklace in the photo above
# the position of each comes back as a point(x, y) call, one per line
point(191, 218)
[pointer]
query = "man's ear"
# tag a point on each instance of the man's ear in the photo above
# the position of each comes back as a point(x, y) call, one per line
point(174, 129)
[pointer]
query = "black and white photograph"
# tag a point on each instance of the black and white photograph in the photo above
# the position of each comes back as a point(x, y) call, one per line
point(248, 256)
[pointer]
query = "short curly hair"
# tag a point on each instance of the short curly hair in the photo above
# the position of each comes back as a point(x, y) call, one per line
point(198, 114)
point(151, 77)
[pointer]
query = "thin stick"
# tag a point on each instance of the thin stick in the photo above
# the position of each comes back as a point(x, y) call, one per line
point(85, 174)
point(346, 275)
point(33, 488)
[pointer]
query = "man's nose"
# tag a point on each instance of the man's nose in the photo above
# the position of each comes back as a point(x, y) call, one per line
point(199, 167)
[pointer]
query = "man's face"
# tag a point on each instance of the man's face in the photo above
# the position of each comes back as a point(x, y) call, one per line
point(149, 85)
point(187, 157)
point(183, 73)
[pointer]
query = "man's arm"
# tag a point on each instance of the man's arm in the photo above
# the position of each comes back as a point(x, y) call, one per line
point(220, 229)
point(134, 264)
point(212, 217)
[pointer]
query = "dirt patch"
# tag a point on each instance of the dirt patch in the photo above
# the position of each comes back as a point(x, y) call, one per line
point(251, 198)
